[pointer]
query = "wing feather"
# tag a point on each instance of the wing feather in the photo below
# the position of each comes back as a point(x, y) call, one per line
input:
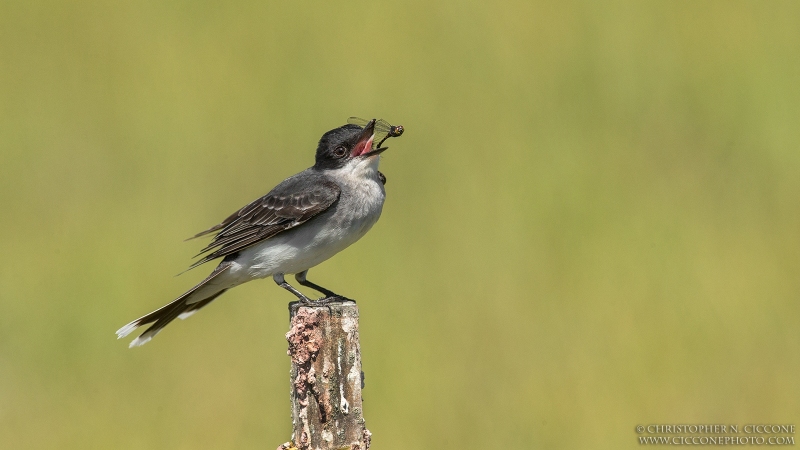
point(291, 203)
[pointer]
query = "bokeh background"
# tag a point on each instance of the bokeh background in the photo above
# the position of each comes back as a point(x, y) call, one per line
point(592, 220)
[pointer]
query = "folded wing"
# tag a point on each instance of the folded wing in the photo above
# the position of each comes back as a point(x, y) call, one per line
point(291, 203)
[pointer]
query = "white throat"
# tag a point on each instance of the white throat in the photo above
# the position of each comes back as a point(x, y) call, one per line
point(359, 169)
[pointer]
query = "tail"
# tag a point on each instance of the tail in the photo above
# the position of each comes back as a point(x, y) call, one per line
point(182, 307)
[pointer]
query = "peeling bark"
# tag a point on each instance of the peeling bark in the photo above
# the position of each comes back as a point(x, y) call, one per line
point(326, 378)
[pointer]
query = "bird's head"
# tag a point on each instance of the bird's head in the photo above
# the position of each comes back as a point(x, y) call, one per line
point(347, 145)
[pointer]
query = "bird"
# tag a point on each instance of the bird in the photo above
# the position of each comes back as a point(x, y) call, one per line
point(303, 221)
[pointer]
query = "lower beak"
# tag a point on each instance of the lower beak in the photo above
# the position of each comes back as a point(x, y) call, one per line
point(377, 151)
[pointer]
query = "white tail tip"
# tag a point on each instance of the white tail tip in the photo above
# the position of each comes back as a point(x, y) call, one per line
point(186, 315)
point(126, 330)
point(139, 341)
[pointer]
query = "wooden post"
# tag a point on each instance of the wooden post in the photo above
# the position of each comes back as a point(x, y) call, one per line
point(326, 378)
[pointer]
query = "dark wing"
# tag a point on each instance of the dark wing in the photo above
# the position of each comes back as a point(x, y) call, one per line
point(293, 202)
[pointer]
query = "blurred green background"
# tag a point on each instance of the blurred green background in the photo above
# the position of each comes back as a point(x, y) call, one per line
point(592, 220)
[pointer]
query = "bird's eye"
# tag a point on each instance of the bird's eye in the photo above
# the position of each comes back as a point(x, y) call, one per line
point(339, 151)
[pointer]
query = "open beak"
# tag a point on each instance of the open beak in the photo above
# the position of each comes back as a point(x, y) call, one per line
point(364, 145)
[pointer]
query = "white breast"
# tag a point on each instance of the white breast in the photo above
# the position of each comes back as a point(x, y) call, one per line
point(313, 242)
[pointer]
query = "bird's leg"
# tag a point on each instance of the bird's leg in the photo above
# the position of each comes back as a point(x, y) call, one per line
point(278, 277)
point(301, 278)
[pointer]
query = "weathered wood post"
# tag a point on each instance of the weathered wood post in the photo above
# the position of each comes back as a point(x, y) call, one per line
point(326, 378)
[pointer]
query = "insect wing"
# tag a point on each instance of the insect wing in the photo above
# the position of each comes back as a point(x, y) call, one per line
point(384, 127)
point(381, 126)
point(358, 121)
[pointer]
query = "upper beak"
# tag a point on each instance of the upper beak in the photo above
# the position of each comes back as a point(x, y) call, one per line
point(364, 144)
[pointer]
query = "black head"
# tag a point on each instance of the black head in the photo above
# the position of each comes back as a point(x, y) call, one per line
point(341, 145)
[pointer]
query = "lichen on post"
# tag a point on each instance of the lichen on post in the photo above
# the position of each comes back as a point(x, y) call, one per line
point(326, 378)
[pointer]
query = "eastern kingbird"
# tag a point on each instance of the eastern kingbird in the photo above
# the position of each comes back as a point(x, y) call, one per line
point(304, 220)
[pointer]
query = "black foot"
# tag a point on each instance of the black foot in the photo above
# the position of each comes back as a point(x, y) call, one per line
point(330, 299)
point(341, 298)
point(305, 301)
point(330, 296)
